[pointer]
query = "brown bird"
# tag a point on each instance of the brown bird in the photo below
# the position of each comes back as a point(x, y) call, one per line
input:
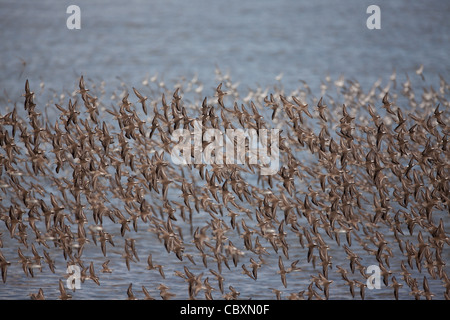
point(346, 176)
point(219, 278)
point(142, 100)
point(362, 287)
point(426, 289)
point(321, 108)
point(419, 72)
point(105, 268)
point(220, 95)
point(323, 281)
point(247, 272)
point(208, 289)
point(351, 284)
point(92, 275)
point(37, 296)
point(282, 271)
point(151, 266)
point(343, 272)
point(273, 105)
point(50, 262)
point(147, 294)
point(232, 295)
point(277, 293)
point(396, 287)
point(4, 266)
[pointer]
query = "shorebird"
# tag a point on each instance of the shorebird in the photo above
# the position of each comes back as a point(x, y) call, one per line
point(63, 293)
point(396, 287)
point(419, 72)
point(147, 294)
point(130, 293)
point(105, 268)
point(37, 296)
point(4, 266)
point(282, 271)
point(164, 293)
point(368, 174)
point(142, 100)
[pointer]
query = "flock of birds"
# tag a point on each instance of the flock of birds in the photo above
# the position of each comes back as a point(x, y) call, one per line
point(362, 179)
